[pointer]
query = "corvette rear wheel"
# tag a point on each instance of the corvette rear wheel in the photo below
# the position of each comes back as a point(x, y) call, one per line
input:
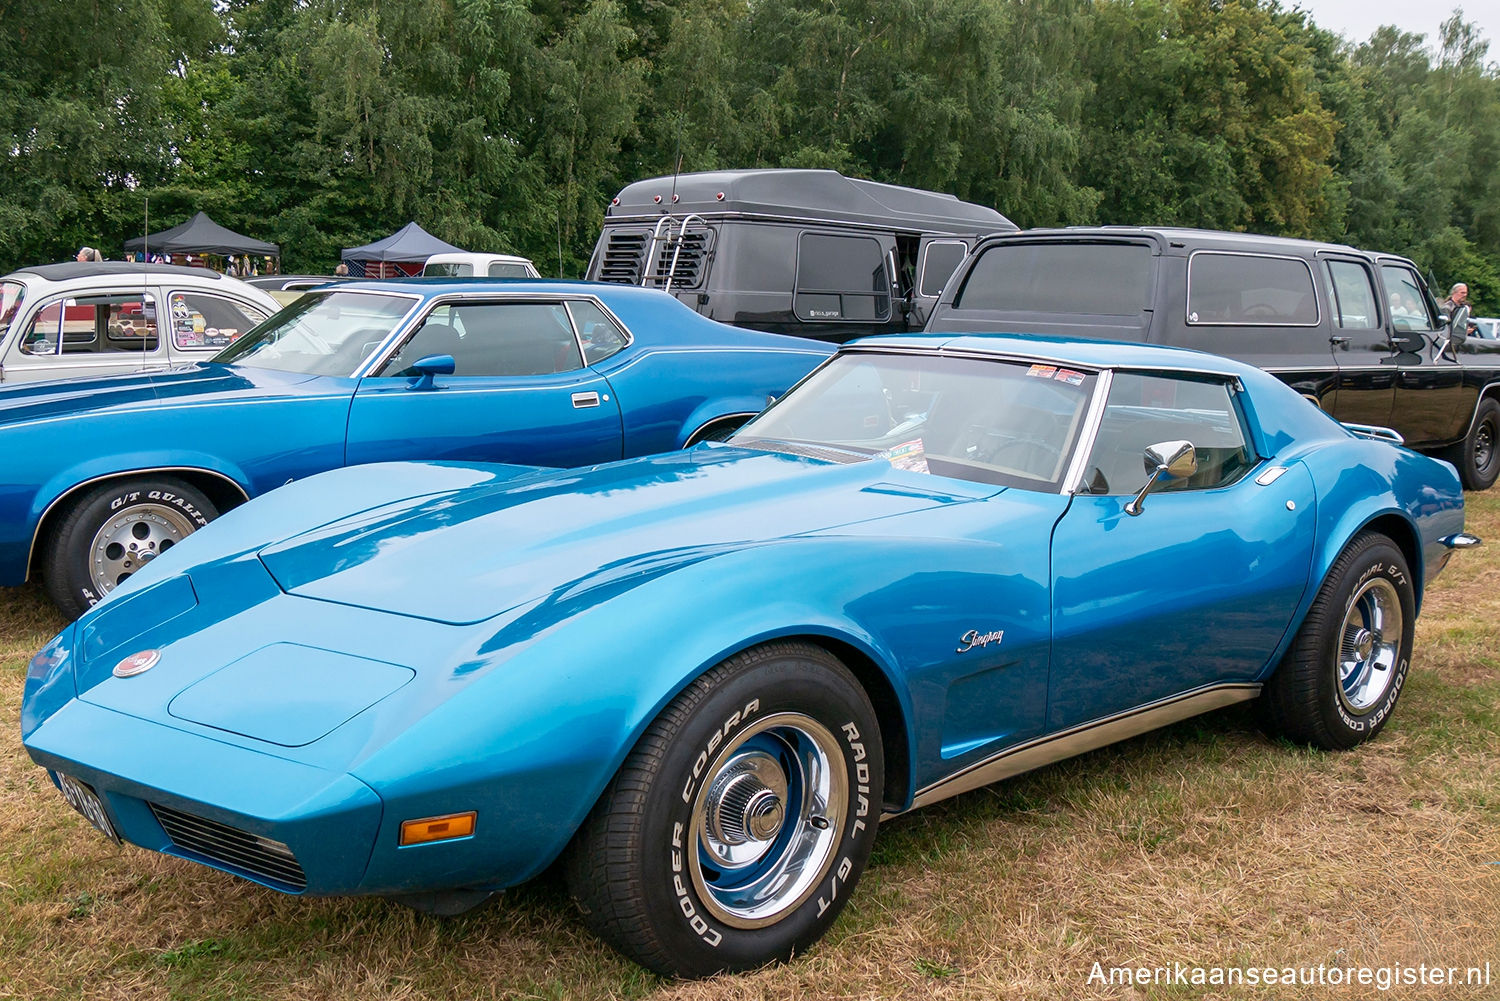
point(111, 531)
point(1339, 682)
point(739, 824)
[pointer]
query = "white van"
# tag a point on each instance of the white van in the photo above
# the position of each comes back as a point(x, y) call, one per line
point(478, 266)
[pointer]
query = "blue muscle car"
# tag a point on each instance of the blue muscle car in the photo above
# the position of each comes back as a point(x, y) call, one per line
point(701, 678)
point(102, 475)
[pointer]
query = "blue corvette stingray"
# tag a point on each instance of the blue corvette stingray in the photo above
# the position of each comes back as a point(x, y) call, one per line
point(102, 475)
point(701, 678)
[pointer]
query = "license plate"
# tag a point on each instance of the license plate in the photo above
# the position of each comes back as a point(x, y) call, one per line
point(83, 799)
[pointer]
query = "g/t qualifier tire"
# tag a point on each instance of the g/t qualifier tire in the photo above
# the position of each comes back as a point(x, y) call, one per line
point(1478, 455)
point(1339, 682)
point(111, 531)
point(737, 828)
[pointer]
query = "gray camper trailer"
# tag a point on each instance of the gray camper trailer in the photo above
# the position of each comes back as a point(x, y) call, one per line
point(807, 252)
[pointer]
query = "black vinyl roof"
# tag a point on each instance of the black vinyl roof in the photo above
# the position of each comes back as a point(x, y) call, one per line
point(89, 269)
point(803, 194)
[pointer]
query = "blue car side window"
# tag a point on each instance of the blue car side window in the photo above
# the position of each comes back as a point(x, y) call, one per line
point(493, 339)
point(599, 334)
point(1144, 410)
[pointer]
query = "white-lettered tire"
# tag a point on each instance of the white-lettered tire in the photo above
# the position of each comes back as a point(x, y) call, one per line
point(739, 824)
point(1338, 683)
point(109, 532)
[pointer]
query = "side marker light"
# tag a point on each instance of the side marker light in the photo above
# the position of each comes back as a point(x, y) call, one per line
point(445, 828)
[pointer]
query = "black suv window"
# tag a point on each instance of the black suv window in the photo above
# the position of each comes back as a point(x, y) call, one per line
point(1100, 278)
point(1251, 289)
point(939, 260)
point(1352, 294)
point(841, 278)
point(1409, 310)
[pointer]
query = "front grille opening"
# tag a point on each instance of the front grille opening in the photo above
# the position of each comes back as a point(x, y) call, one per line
point(237, 850)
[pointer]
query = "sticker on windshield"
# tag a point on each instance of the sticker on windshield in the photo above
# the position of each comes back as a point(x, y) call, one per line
point(1042, 371)
point(1069, 376)
point(909, 455)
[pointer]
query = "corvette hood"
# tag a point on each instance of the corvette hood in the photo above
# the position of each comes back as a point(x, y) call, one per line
point(466, 556)
point(112, 394)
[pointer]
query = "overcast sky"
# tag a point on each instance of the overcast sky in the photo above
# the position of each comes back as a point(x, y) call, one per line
point(1357, 20)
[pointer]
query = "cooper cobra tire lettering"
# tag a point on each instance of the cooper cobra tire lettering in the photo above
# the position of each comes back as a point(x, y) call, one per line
point(705, 755)
point(700, 927)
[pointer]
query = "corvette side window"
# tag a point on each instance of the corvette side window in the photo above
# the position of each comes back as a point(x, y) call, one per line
point(1144, 410)
point(493, 339)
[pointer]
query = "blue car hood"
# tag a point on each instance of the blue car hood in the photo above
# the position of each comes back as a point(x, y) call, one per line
point(466, 556)
point(111, 394)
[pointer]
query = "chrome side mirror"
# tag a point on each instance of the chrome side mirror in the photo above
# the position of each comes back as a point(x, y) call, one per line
point(1172, 460)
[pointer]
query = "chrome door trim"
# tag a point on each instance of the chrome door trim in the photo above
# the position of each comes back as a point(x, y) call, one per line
point(1093, 417)
point(408, 323)
point(1052, 747)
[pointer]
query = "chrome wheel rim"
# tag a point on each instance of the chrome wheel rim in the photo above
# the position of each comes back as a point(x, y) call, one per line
point(132, 538)
point(1370, 645)
point(766, 819)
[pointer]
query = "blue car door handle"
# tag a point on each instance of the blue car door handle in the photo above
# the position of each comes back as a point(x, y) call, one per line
point(581, 400)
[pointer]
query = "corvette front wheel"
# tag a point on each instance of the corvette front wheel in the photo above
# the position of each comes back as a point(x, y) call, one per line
point(739, 824)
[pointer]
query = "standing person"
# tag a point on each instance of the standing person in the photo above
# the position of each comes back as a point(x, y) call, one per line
point(1458, 296)
point(342, 271)
point(88, 254)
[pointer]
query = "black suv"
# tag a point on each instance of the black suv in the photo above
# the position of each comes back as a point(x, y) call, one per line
point(1357, 333)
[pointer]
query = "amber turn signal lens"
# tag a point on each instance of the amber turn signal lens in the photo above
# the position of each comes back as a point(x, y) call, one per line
point(454, 825)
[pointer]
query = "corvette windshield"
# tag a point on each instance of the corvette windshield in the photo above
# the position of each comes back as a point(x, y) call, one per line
point(974, 419)
point(322, 333)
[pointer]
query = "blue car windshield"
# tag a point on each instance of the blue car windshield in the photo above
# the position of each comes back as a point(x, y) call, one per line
point(322, 333)
point(990, 421)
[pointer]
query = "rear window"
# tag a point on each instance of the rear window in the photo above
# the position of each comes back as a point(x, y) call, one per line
point(448, 271)
point(1250, 289)
point(503, 270)
point(1112, 279)
point(10, 302)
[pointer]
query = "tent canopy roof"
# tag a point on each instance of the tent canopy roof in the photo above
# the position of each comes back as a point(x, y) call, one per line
point(201, 235)
point(409, 243)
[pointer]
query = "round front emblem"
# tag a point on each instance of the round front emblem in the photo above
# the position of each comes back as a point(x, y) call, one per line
point(137, 663)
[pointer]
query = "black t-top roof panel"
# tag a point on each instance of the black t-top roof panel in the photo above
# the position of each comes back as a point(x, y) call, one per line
point(804, 194)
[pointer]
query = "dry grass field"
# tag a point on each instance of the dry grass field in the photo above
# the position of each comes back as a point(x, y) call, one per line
point(1202, 844)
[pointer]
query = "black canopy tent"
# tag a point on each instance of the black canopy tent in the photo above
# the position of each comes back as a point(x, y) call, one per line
point(409, 245)
point(201, 235)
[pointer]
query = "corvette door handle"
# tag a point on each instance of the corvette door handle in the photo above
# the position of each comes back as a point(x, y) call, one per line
point(582, 400)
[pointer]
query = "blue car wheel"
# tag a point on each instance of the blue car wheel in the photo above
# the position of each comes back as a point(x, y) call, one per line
point(114, 529)
point(739, 824)
point(1340, 680)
